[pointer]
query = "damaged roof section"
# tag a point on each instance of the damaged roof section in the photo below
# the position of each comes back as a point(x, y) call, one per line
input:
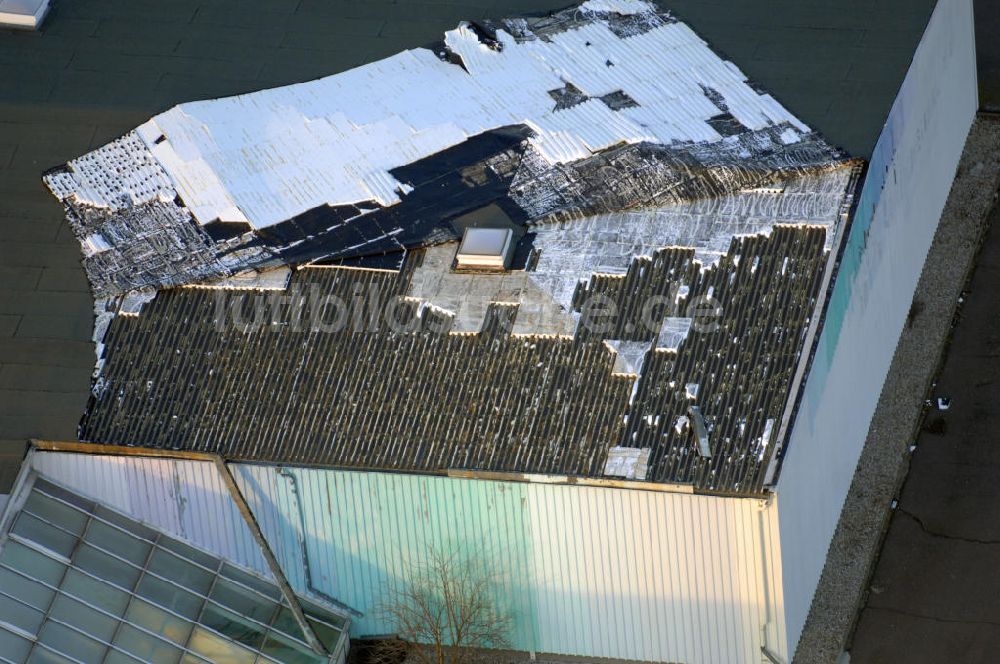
point(607, 106)
point(251, 376)
point(663, 235)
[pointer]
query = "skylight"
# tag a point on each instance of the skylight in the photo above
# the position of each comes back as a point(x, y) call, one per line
point(81, 583)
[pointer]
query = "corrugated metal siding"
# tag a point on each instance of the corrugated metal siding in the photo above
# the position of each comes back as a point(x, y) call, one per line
point(904, 193)
point(589, 571)
point(186, 499)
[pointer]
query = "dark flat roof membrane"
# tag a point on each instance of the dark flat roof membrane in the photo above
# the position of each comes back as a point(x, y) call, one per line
point(836, 65)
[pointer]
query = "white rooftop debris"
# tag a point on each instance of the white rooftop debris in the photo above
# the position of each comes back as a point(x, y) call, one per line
point(612, 114)
point(673, 333)
point(630, 463)
point(765, 438)
point(132, 303)
point(608, 243)
point(466, 295)
point(268, 156)
point(629, 355)
point(276, 279)
point(94, 244)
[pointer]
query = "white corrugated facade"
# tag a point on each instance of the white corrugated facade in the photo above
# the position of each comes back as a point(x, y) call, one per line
point(591, 571)
point(185, 499)
point(595, 571)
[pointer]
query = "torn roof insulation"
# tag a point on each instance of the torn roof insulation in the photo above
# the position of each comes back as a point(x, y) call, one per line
point(628, 162)
point(335, 167)
point(266, 157)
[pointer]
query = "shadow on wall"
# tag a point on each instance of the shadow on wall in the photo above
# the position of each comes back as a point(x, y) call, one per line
point(358, 556)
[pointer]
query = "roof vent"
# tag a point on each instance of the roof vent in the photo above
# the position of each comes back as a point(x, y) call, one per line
point(700, 432)
point(485, 249)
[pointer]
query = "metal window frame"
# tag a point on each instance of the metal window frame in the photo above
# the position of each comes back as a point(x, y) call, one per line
point(24, 489)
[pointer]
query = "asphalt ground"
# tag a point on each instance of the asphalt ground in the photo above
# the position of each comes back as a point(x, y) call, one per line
point(934, 595)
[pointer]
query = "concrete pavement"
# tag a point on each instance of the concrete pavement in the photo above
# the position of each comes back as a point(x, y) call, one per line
point(935, 593)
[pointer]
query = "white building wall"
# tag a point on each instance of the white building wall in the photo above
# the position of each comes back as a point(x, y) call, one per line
point(590, 571)
point(905, 191)
point(185, 499)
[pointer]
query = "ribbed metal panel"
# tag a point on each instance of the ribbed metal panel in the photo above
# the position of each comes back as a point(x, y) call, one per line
point(186, 499)
point(588, 571)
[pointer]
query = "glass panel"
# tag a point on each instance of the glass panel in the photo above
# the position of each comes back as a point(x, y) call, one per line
point(170, 597)
point(193, 659)
point(32, 563)
point(145, 646)
point(94, 592)
point(31, 528)
point(185, 551)
point(115, 657)
point(243, 601)
point(218, 650)
point(13, 646)
point(285, 621)
point(52, 511)
point(63, 495)
point(251, 581)
point(105, 566)
point(19, 615)
point(287, 652)
point(149, 617)
point(30, 592)
point(125, 523)
point(322, 614)
point(327, 635)
point(86, 619)
point(232, 625)
point(42, 656)
point(122, 545)
point(180, 572)
point(63, 639)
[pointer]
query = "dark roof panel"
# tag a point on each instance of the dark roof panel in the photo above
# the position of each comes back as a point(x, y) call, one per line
point(279, 379)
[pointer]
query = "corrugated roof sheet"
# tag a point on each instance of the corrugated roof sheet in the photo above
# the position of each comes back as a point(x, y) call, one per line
point(184, 375)
point(605, 204)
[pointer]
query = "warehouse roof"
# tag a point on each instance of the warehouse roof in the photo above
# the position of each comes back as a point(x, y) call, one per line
point(675, 230)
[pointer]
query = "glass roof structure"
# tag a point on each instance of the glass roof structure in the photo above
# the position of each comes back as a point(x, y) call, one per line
point(80, 583)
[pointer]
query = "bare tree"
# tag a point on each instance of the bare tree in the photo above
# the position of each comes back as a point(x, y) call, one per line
point(444, 609)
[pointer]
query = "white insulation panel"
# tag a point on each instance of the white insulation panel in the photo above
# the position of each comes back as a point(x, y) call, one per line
point(267, 156)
